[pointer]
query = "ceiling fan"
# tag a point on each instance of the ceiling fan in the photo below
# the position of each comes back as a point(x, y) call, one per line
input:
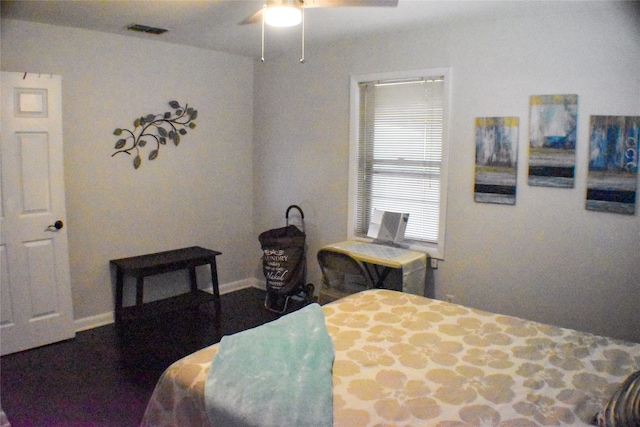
point(288, 13)
point(289, 6)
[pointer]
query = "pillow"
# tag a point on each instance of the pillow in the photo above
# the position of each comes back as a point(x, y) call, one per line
point(623, 409)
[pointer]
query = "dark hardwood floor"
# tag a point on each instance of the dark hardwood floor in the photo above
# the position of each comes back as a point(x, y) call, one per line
point(102, 379)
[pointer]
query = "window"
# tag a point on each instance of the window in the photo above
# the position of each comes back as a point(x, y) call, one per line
point(397, 156)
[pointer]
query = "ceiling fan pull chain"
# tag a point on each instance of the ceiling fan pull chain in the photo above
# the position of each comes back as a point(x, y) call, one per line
point(302, 58)
point(264, 12)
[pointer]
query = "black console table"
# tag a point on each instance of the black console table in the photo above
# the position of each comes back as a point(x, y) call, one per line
point(164, 262)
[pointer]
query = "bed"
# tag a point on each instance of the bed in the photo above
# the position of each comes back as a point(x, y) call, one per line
point(402, 359)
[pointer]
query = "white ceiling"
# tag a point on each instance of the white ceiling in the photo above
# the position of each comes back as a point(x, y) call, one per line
point(214, 25)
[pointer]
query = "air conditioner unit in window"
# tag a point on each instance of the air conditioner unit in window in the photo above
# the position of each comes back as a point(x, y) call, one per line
point(387, 227)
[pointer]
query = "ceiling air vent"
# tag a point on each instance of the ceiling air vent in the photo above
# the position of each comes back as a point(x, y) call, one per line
point(146, 29)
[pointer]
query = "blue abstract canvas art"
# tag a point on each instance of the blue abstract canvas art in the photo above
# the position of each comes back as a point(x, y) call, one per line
point(613, 164)
point(552, 140)
point(496, 160)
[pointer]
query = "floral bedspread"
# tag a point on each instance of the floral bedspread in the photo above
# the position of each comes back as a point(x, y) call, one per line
point(405, 360)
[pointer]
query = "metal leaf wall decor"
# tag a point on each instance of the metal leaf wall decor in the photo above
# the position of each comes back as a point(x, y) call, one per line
point(157, 128)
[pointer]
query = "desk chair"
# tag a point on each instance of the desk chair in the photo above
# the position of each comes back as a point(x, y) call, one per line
point(341, 275)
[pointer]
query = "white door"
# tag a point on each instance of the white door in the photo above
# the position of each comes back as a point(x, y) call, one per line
point(36, 307)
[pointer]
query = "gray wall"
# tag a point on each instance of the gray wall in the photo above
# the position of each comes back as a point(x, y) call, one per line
point(546, 258)
point(199, 193)
point(270, 135)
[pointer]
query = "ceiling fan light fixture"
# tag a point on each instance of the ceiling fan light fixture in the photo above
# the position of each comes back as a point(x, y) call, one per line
point(283, 16)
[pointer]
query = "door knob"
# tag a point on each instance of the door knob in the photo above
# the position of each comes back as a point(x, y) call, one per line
point(56, 225)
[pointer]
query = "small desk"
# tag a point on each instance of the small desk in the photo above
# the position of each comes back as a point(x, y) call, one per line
point(380, 259)
point(164, 262)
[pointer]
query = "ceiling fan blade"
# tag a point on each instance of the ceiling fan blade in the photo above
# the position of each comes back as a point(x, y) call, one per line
point(350, 3)
point(257, 15)
point(253, 18)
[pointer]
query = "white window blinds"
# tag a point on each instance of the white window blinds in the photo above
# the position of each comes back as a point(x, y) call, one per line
point(400, 153)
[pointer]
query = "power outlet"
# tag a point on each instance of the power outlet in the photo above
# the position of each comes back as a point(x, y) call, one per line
point(434, 263)
point(450, 298)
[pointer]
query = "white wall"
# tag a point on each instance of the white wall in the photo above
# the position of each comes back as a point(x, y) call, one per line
point(199, 193)
point(546, 258)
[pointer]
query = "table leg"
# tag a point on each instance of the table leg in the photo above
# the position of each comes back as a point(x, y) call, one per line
point(381, 273)
point(193, 279)
point(139, 289)
point(382, 276)
point(214, 283)
point(119, 291)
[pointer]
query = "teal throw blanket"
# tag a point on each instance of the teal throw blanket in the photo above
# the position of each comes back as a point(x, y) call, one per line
point(278, 374)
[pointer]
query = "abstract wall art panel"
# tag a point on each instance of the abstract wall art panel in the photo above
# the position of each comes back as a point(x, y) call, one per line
point(613, 164)
point(496, 160)
point(552, 140)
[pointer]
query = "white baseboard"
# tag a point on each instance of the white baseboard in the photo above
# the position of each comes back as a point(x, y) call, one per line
point(108, 317)
point(240, 284)
point(94, 321)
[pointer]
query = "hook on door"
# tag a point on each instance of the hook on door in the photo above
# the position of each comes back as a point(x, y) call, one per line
point(55, 226)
